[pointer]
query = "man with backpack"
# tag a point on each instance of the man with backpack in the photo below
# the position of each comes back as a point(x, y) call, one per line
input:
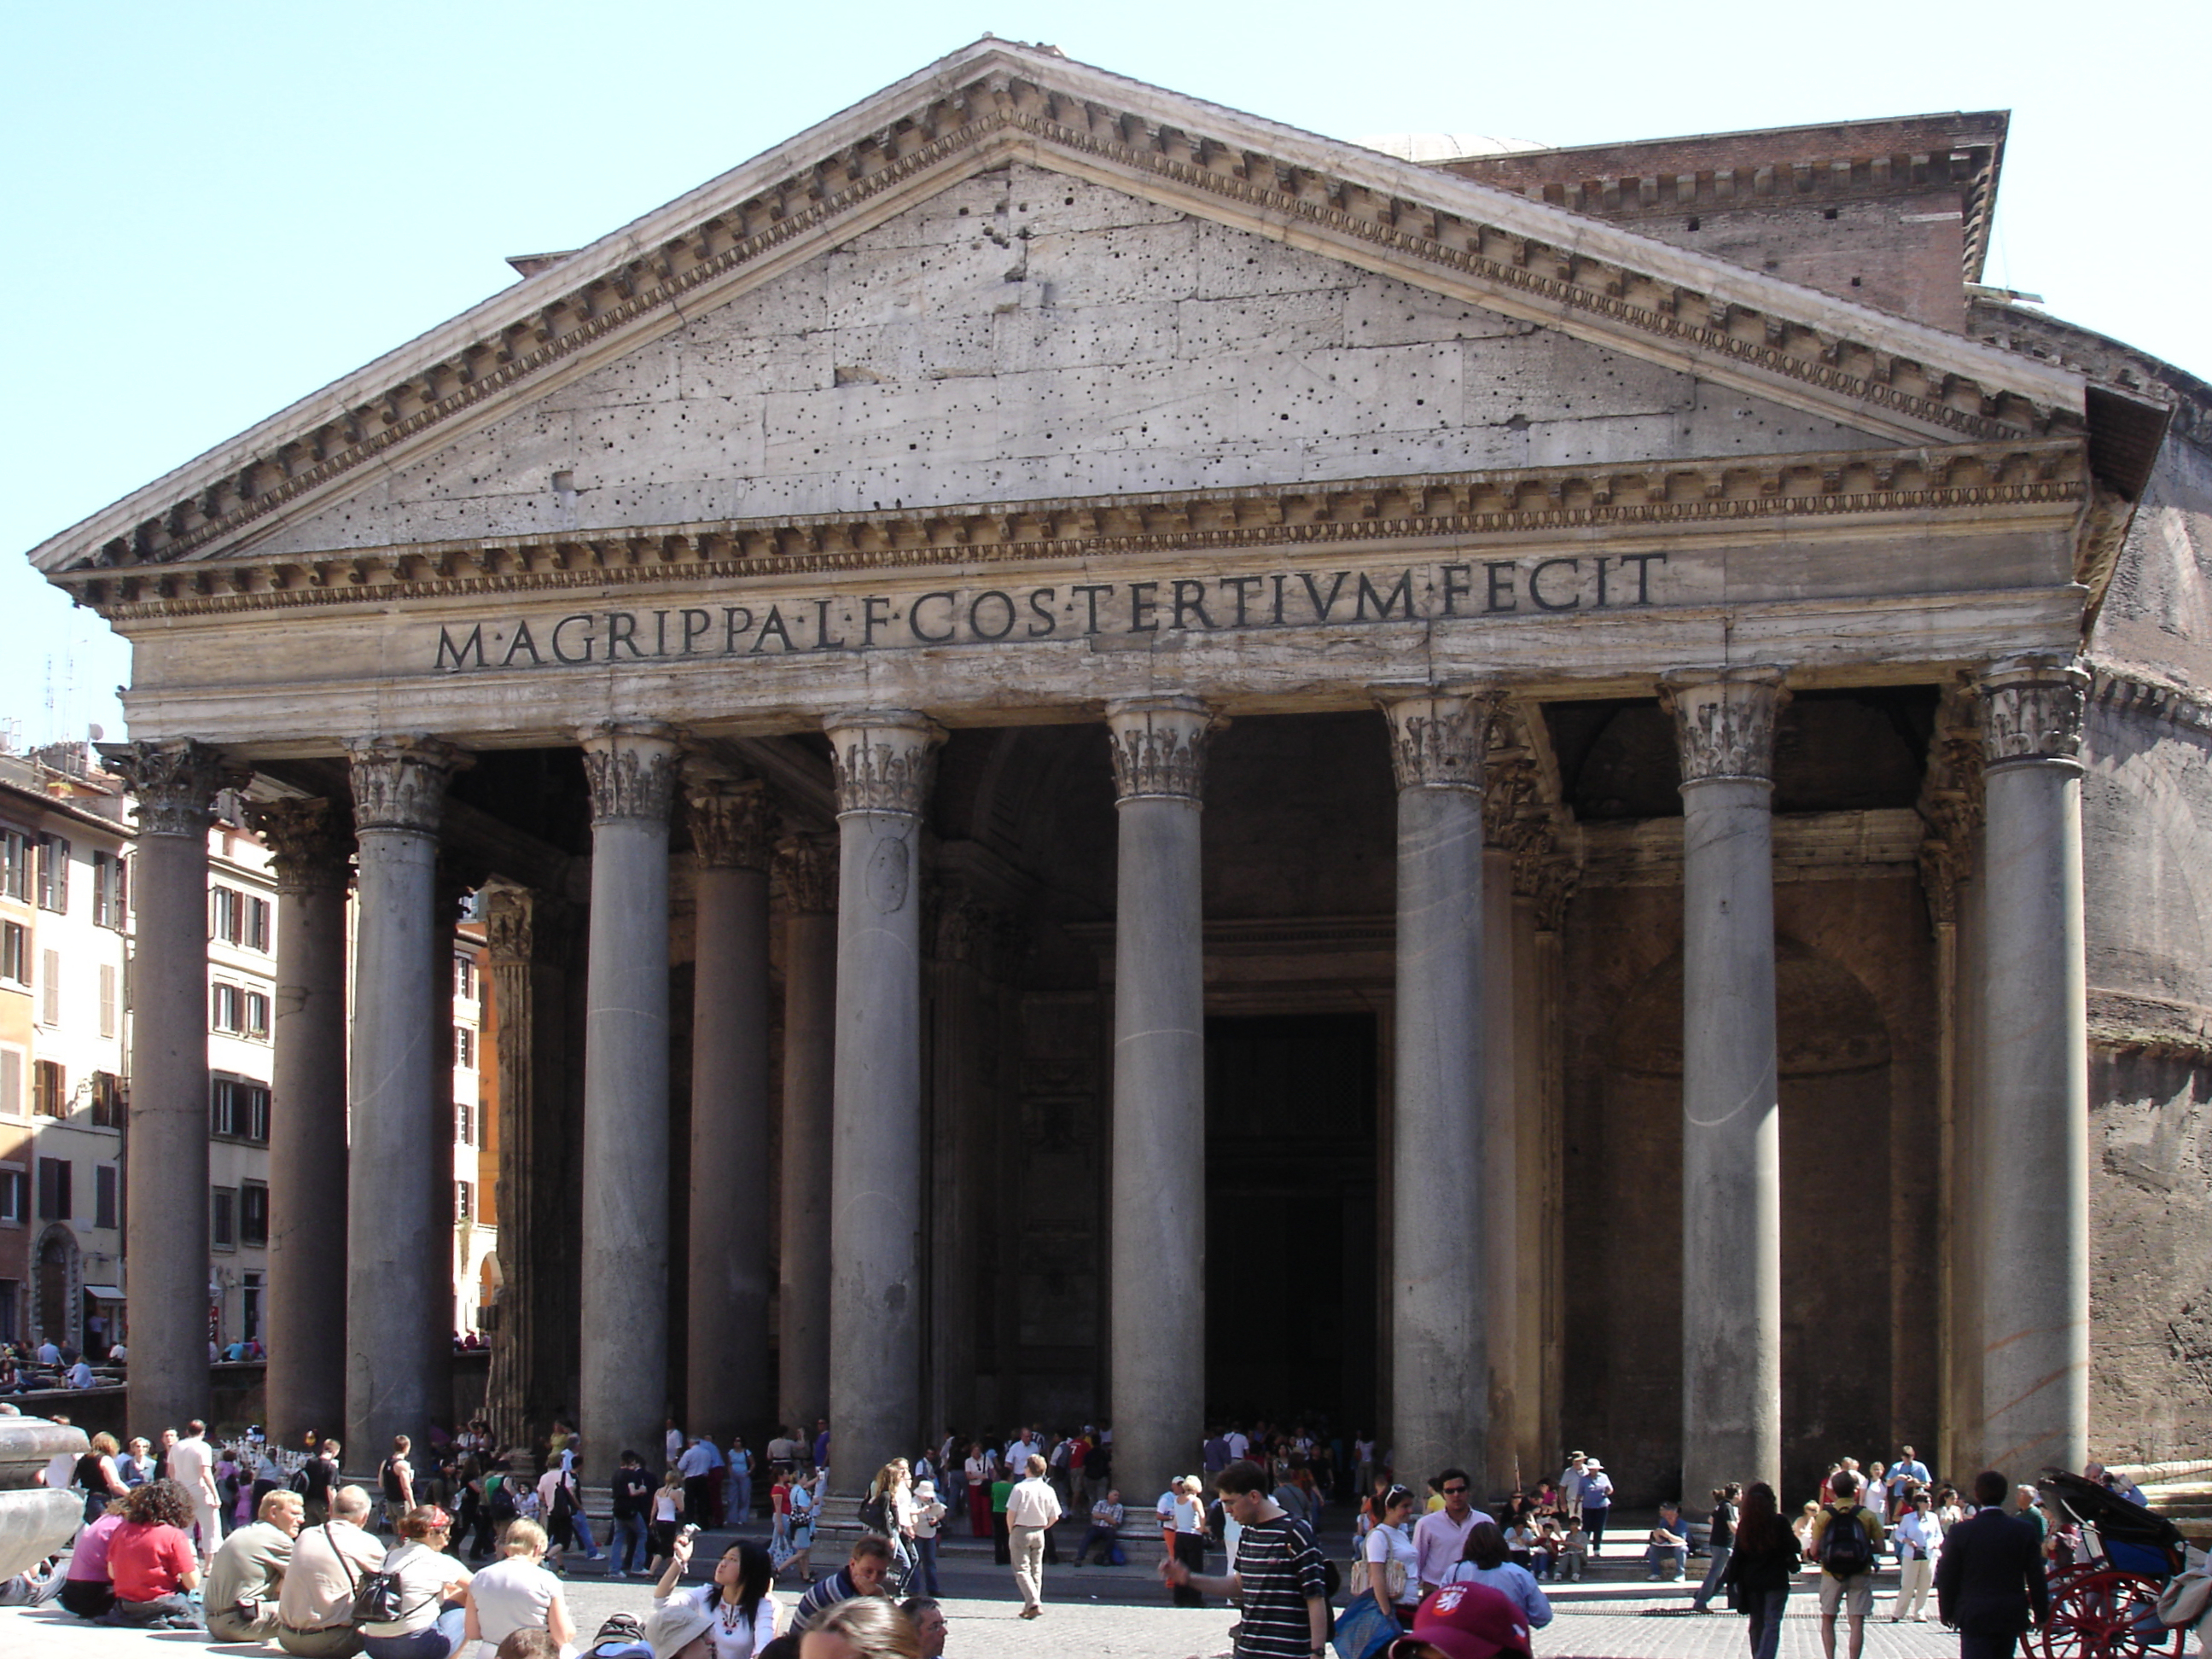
point(1846, 1538)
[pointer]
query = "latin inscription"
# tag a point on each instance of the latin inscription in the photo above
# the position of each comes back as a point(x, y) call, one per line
point(981, 615)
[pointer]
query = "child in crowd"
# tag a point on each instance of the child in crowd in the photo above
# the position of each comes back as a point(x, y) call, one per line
point(1574, 1551)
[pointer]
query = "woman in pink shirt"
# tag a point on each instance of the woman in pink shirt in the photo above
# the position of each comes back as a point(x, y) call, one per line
point(87, 1592)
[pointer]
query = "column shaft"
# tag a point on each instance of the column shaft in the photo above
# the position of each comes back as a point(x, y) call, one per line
point(731, 1386)
point(1440, 1394)
point(624, 1362)
point(166, 1214)
point(883, 766)
point(2035, 1299)
point(1158, 1297)
point(306, 1371)
point(399, 1340)
point(1731, 1148)
point(810, 1040)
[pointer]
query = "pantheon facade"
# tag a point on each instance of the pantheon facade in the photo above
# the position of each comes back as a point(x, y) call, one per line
point(1129, 765)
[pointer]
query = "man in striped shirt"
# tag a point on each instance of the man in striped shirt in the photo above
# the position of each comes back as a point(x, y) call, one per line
point(1280, 1579)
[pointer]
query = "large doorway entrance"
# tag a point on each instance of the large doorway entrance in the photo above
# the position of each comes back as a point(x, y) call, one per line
point(1289, 1230)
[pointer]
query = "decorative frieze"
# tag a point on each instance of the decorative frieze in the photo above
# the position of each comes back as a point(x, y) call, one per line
point(1724, 722)
point(2032, 709)
point(632, 769)
point(884, 760)
point(399, 782)
point(1438, 739)
point(173, 784)
point(807, 871)
point(309, 842)
point(734, 826)
point(1159, 747)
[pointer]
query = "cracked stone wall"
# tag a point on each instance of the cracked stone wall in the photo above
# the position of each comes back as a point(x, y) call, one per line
point(1026, 336)
point(2147, 829)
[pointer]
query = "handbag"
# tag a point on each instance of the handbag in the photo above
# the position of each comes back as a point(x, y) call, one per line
point(1363, 1629)
point(1394, 1578)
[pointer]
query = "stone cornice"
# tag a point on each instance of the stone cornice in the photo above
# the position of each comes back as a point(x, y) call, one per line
point(1534, 502)
point(993, 103)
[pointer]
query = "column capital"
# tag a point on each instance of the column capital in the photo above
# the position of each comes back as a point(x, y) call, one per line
point(399, 782)
point(2032, 707)
point(734, 824)
point(309, 842)
point(885, 759)
point(1159, 747)
point(1724, 722)
point(1439, 739)
point(808, 870)
point(632, 767)
point(174, 782)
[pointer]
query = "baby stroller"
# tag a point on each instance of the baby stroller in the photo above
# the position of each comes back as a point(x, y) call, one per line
point(2106, 1604)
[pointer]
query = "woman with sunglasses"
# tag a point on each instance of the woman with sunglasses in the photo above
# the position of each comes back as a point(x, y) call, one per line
point(433, 1590)
point(1394, 1566)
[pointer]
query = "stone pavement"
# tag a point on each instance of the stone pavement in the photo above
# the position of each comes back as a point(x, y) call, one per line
point(1119, 1613)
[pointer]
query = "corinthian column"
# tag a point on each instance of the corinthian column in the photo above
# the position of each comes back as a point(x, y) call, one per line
point(1440, 1233)
point(312, 855)
point(731, 1386)
point(398, 1334)
point(1731, 1146)
point(632, 770)
point(166, 1219)
point(2034, 1068)
point(808, 871)
point(885, 763)
point(1158, 1297)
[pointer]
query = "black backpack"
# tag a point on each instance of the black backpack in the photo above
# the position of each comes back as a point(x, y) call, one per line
point(1845, 1549)
point(500, 1505)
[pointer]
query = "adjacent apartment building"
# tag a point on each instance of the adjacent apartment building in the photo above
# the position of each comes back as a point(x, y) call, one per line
point(65, 985)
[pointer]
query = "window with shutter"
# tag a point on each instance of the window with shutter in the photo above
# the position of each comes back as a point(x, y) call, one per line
point(108, 1009)
point(49, 1089)
point(11, 1082)
point(15, 953)
point(54, 1189)
point(50, 987)
point(105, 1189)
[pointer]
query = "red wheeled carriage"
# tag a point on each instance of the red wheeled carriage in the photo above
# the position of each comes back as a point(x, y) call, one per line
point(2105, 1606)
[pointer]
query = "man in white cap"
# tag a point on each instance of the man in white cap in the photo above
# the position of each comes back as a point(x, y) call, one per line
point(677, 1630)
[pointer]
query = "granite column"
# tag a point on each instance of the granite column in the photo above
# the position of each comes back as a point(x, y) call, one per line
point(398, 1337)
point(166, 1217)
point(2034, 1068)
point(632, 771)
point(1441, 1236)
point(307, 1371)
point(1731, 1130)
point(730, 1387)
point(808, 872)
point(1158, 1169)
point(883, 762)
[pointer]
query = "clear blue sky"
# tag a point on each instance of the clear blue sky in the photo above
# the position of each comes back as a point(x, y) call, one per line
point(215, 208)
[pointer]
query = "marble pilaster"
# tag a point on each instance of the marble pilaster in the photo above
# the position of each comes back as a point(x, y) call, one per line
point(807, 872)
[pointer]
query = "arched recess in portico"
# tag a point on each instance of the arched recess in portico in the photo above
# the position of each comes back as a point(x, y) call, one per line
point(1836, 1092)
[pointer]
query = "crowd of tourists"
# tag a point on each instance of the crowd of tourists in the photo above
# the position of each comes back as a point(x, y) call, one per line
point(461, 1552)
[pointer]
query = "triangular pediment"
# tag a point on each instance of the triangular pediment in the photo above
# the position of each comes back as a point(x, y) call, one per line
point(1542, 300)
point(1026, 336)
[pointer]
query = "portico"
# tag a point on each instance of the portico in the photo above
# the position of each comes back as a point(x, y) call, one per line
point(879, 794)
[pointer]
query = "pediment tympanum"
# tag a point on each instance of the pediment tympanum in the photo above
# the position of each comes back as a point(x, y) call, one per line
point(1218, 199)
